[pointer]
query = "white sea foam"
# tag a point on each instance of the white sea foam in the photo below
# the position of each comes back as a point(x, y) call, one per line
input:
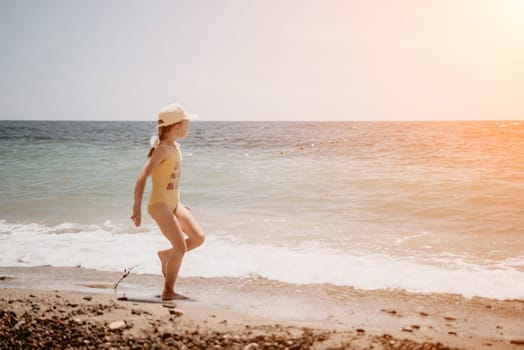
point(404, 239)
point(99, 247)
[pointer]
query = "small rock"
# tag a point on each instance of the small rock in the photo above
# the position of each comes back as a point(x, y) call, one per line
point(361, 331)
point(449, 318)
point(117, 325)
point(425, 314)
point(452, 333)
point(251, 346)
point(169, 306)
point(176, 312)
point(415, 326)
point(88, 298)
point(136, 312)
point(517, 341)
point(165, 335)
point(404, 329)
point(391, 311)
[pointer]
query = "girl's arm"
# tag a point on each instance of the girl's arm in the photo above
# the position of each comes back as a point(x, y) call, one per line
point(156, 158)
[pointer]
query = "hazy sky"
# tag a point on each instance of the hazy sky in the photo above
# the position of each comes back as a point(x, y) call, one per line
point(263, 60)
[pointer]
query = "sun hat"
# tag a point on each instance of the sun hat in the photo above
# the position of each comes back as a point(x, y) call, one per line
point(173, 113)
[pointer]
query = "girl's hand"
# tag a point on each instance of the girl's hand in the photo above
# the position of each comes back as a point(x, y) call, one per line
point(137, 216)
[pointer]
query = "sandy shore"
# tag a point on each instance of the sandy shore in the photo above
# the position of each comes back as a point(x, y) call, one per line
point(44, 307)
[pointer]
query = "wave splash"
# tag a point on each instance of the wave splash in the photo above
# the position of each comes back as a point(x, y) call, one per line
point(109, 248)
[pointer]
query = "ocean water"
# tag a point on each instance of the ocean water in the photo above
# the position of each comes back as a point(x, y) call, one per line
point(425, 207)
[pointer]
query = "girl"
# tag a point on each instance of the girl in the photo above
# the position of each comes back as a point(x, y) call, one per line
point(173, 218)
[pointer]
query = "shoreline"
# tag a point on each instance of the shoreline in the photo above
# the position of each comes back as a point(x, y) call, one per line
point(235, 311)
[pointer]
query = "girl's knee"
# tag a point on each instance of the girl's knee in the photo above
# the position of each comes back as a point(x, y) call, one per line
point(200, 238)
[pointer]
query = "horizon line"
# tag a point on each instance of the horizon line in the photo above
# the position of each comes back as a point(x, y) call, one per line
point(271, 121)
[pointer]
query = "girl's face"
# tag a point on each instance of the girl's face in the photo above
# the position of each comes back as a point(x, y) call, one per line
point(181, 128)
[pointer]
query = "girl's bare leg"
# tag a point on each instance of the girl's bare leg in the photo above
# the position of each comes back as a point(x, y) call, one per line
point(164, 255)
point(195, 235)
point(170, 227)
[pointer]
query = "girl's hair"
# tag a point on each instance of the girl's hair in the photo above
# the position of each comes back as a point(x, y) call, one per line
point(161, 133)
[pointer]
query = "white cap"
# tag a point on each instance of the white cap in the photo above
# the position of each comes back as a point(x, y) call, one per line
point(173, 113)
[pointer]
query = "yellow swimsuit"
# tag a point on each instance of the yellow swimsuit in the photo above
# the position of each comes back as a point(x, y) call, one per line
point(166, 177)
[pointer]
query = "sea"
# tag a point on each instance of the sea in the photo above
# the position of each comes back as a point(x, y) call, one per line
point(428, 207)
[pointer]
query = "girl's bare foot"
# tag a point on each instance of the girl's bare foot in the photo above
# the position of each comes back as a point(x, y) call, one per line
point(173, 296)
point(163, 255)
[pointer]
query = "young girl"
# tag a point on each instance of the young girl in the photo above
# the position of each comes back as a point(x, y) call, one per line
point(172, 217)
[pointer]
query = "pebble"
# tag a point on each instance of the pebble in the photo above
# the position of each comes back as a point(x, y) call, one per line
point(177, 312)
point(391, 311)
point(117, 325)
point(517, 341)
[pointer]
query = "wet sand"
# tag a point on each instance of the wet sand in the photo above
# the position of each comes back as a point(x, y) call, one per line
point(49, 307)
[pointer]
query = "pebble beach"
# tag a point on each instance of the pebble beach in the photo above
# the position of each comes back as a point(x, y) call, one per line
point(75, 308)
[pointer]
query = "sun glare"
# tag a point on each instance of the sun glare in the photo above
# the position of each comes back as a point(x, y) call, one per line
point(514, 10)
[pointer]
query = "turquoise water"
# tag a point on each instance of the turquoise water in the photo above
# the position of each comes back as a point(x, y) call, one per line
point(420, 206)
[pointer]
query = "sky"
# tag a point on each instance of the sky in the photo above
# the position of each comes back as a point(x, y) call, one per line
point(262, 60)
